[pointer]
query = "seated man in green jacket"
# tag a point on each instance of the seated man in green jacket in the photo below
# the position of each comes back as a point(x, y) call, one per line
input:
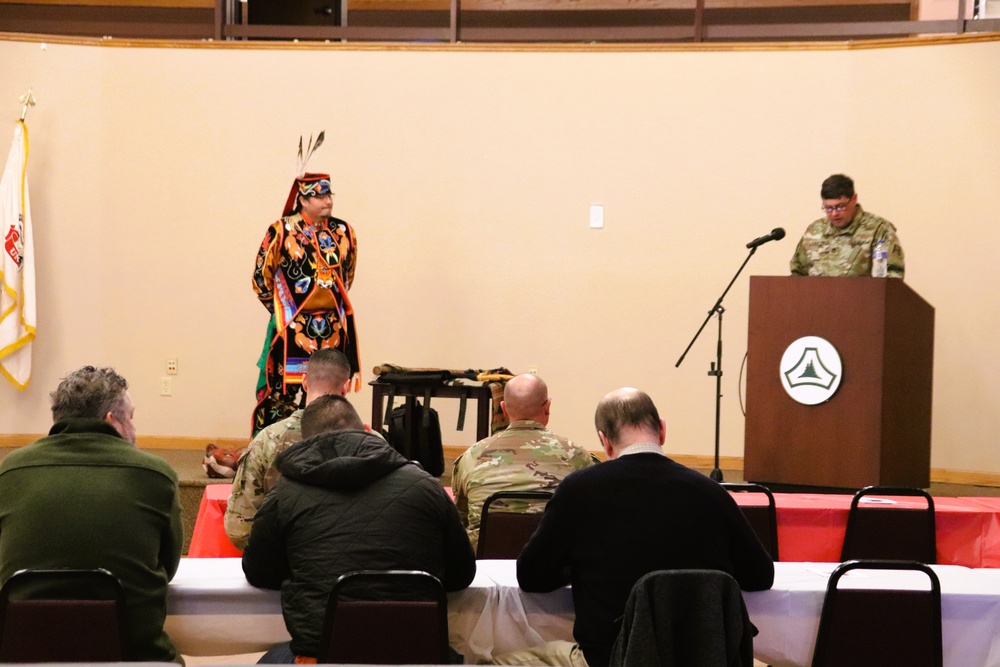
point(84, 497)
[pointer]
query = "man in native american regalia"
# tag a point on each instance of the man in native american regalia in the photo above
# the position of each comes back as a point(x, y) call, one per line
point(304, 268)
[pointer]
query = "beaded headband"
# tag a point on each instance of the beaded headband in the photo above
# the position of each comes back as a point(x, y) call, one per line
point(318, 184)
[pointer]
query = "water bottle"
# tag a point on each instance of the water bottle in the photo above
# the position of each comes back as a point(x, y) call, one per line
point(880, 259)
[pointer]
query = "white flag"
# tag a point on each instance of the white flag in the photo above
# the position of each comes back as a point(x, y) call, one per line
point(17, 268)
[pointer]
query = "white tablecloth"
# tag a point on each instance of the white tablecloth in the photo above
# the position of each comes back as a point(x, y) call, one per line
point(788, 614)
point(493, 616)
point(212, 610)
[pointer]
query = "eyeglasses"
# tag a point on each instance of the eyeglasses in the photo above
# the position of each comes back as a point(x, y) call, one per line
point(838, 208)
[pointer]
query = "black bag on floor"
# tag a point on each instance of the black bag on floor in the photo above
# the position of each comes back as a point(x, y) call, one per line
point(425, 445)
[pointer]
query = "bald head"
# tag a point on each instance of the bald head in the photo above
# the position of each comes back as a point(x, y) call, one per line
point(526, 396)
point(625, 417)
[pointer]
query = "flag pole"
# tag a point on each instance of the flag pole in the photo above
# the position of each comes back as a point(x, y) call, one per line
point(17, 271)
point(26, 100)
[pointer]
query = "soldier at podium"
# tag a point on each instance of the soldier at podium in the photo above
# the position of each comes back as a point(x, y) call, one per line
point(841, 243)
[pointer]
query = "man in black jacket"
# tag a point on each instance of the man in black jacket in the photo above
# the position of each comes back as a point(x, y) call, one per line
point(347, 501)
point(638, 512)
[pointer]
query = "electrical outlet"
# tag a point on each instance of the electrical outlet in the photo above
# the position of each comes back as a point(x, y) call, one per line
point(166, 388)
point(596, 216)
point(533, 370)
point(172, 366)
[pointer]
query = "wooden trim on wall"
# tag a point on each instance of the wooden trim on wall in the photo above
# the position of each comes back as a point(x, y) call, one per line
point(645, 22)
point(175, 20)
point(171, 4)
point(143, 441)
point(17, 440)
point(164, 442)
point(490, 5)
point(513, 47)
point(606, 5)
point(943, 476)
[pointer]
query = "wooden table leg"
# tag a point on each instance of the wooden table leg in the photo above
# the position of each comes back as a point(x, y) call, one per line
point(484, 416)
point(377, 394)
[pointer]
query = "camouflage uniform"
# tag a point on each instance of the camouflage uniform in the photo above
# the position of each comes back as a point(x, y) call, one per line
point(524, 457)
point(255, 475)
point(828, 251)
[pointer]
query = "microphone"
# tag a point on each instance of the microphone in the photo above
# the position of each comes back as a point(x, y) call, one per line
point(776, 235)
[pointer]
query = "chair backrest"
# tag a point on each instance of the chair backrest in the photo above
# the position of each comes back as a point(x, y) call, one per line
point(762, 518)
point(887, 532)
point(503, 534)
point(693, 618)
point(62, 616)
point(390, 617)
point(866, 627)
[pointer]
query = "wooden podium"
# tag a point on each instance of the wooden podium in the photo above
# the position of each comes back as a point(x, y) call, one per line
point(876, 428)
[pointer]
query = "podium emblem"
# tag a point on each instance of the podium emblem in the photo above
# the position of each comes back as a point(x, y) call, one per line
point(811, 370)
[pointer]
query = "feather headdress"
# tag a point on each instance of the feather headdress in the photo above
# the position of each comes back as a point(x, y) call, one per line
point(310, 149)
point(306, 183)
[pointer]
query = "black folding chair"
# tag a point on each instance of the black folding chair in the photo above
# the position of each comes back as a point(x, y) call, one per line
point(684, 617)
point(502, 535)
point(62, 616)
point(762, 518)
point(386, 617)
point(865, 627)
point(884, 531)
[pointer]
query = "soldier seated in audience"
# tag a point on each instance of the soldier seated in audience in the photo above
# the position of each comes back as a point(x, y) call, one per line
point(328, 372)
point(526, 456)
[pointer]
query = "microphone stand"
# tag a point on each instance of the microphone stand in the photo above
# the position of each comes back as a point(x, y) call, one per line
point(715, 368)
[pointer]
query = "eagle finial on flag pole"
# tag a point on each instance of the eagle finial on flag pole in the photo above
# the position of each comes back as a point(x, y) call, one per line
point(26, 100)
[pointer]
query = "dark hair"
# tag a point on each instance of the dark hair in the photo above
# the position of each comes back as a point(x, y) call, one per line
point(623, 409)
point(89, 392)
point(837, 186)
point(329, 413)
point(328, 366)
point(297, 206)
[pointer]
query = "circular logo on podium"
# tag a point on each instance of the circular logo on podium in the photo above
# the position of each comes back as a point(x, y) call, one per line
point(811, 370)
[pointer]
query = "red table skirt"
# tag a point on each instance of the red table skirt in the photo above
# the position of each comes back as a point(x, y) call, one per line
point(810, 527)
point(209, 537)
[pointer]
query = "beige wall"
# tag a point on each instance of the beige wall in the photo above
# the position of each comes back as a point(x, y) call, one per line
point(468, 174)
